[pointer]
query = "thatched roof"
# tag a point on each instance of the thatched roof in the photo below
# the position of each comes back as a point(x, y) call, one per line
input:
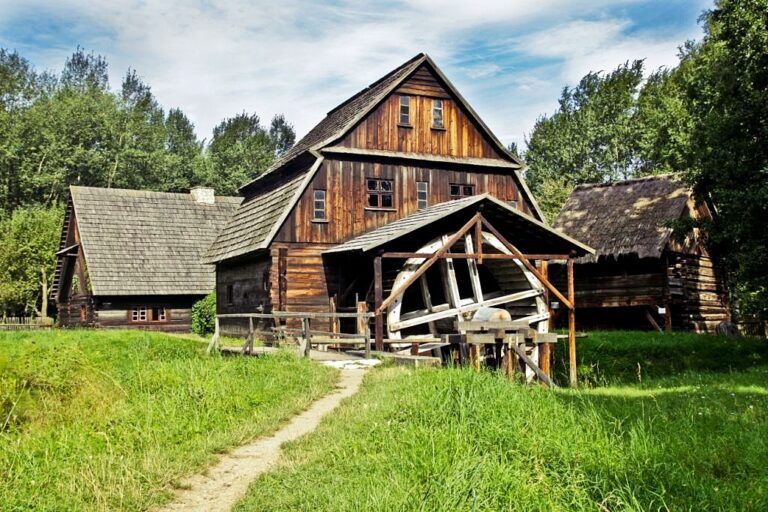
point(527, 233)
point(626, 218)
point(148, 243)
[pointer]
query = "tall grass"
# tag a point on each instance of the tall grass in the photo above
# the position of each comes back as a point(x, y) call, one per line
point(454, 440)
point(110, 420)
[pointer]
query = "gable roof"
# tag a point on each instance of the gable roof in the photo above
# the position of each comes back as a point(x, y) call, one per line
point(626, 217)
point(530, 235)
point(147, 243)
point(329, 130)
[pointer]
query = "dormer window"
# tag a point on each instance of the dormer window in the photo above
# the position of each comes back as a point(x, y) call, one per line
point(405, 110)
point(459, 190)
point(437, 114)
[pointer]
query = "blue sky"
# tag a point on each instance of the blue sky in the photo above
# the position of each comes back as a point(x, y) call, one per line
point(509, 58)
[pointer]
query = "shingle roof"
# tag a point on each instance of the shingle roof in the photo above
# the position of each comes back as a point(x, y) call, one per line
point(249, 228)
point(524, 225)
point(624, 218)
point(148, 243)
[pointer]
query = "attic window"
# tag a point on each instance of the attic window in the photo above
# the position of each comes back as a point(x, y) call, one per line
point(437, 114)
point(379, 193)
point(405, 110)
point(318, 210)
point(422, 189)
point(459, 190)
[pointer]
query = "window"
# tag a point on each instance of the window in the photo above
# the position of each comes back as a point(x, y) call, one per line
point(141, 314)
point(405, 110)
point(230, 294)
point(437, 114)
point(318, 211)
point(422, 187)
point(513, 203)
point(459, 190)
point(379, 193)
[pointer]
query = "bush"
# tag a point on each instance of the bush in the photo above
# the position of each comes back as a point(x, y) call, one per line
point(204, 315)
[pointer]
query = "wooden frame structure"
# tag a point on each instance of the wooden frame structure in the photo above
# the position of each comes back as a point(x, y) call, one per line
point(473, 229)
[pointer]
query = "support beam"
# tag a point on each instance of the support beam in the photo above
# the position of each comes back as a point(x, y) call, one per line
point(567, 303)
point(474, 273)
point(527, 360)
point(377, 297)
point(651, 320)
point(573, 378)
point(427, 264)
point(479, 255)
point(545, 349)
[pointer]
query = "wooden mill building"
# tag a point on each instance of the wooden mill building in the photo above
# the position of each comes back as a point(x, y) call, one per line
point(401, 198)
point(640, 275)
point(131, 258)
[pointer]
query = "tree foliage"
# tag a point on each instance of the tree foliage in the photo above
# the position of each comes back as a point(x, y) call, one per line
point(28, 238)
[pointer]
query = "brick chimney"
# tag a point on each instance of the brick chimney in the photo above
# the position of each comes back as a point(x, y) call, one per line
point(203, 195)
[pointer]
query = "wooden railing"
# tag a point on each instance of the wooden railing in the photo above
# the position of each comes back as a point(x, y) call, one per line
point(20, 323)
point(306, 335)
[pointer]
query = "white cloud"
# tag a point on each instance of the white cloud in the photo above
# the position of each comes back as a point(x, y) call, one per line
point(301, 58)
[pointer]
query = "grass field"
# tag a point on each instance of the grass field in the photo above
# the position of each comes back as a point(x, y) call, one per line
point(110, 420)
point(665, 422)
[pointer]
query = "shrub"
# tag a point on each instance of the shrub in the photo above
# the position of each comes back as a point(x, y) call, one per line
point(204, 315)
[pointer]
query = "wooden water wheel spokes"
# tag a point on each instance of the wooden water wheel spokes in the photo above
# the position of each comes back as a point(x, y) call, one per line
point(460, 298)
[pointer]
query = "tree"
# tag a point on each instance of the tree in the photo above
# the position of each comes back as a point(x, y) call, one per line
point(241, 149)
point(726, 86)
point(29, 239)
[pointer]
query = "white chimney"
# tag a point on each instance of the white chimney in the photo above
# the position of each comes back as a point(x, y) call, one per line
point(203, 195)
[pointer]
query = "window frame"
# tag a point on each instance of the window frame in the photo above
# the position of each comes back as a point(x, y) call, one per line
point(407, 106)
point(462, 190)
point(315, 209)
point(422, 203)
point(379, 192)
point(144, 314)
point(441, 109)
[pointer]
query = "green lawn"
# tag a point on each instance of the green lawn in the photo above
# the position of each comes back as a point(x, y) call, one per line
point(666, 422)
point(110, 420)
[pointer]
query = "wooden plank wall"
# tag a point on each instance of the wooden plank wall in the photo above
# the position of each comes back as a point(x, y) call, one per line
point(347, 213)
point(460, 137)
point(250, 293)
point(699, 292)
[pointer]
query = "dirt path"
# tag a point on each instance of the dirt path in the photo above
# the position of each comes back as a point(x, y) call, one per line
point(226, 482)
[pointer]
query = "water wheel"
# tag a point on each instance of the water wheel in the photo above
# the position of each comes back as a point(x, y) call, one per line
point(454, 288)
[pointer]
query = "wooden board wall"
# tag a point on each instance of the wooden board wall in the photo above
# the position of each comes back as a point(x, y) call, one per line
point(699, 293)
point(459, 137)
point(347, 212)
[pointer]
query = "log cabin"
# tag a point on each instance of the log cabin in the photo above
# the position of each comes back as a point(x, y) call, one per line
point(391, 201)
point(641, 276)
point(131, 258)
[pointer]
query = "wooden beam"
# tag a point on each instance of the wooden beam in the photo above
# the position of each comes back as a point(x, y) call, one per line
point(479, 241)
point(478, 255)
point(527, 360)
point(652, 320)
point(427, 264)
point(474, 273)
point(567, 303)
point(377, 294)
point(573, 376)
point(545, 349)
point(422, 319)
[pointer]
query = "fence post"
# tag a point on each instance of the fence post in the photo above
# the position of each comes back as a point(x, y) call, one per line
point(363, 327)
point(215, 338)
point(307, 336)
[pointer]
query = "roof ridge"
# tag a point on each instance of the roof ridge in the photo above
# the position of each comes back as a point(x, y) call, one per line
point(670, 175)
point(143, 191)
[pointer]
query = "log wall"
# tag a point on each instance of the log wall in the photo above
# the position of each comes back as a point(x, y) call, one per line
point(698, 291)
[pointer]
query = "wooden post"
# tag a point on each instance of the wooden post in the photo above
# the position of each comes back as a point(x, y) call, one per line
point(667, 315)
point(282, 281)
point(573, 378)
point(363, 327)
point(214, 344)
point(545, 349)
point(378, 298)
point(307, 336)
point(248, 346)
point(509, 360)
point(474, 356)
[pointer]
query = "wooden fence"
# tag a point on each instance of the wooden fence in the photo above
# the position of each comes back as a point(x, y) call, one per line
point(306, 335)
point(19, 323)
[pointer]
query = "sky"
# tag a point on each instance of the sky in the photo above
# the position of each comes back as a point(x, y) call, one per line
point(214, 59)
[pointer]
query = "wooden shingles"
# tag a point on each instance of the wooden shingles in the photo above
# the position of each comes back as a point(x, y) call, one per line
point(147, 243)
